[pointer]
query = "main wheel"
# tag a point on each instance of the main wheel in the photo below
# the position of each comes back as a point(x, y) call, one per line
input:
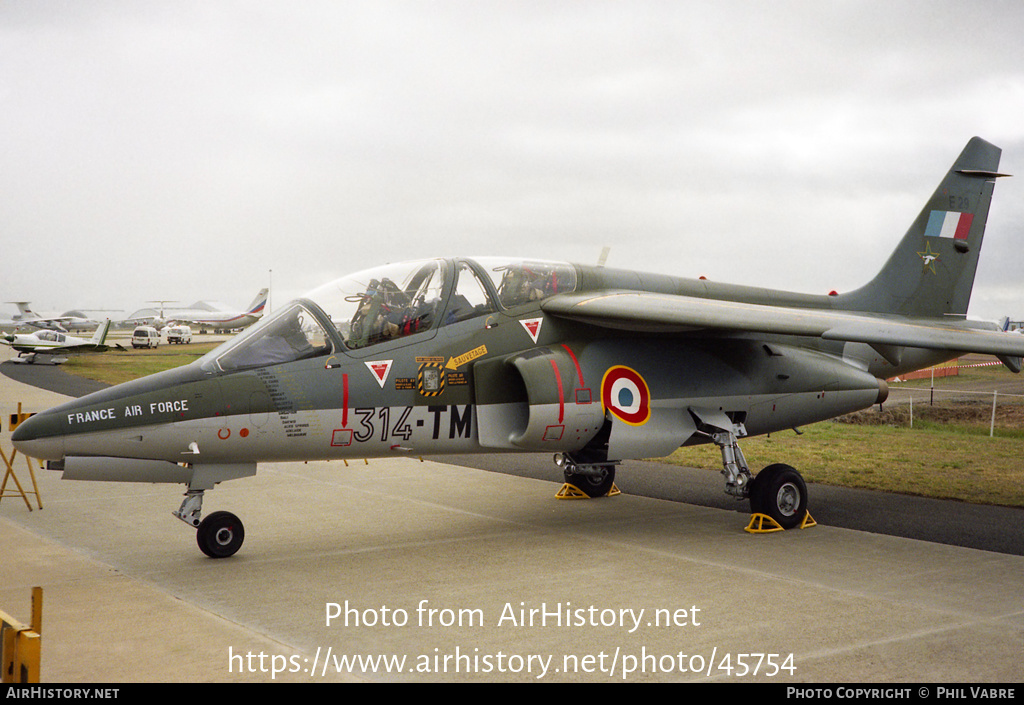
point(220, 535)
point(593, 485)
point(780, 492)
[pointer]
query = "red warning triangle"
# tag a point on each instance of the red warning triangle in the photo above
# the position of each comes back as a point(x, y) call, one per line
point(532, 326)
point(380, 370)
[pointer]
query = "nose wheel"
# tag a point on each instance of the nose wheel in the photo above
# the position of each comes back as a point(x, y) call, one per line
point(220, 535)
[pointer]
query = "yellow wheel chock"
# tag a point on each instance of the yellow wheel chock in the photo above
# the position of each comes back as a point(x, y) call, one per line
point(570, 491)
point(764, 524)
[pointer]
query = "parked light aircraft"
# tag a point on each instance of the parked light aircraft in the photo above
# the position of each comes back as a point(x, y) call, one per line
point(595, 365)
point(206, 314)
point(55, 344)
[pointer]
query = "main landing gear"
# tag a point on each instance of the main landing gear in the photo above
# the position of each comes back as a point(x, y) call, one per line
point(590, 477)
point(777, 492)
point(219, 535)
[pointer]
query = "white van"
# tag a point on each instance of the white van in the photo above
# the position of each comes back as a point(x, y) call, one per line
point(179, 334)
point(145, 337)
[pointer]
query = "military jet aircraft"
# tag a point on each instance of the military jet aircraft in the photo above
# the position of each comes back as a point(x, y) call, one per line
point(55, 345)
point(594, 365)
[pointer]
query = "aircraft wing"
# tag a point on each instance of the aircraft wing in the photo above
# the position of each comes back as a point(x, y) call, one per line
point(652, 312)
point(41, 323)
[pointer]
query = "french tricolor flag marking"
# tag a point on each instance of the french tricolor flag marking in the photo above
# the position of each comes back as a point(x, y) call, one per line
point(949, 224)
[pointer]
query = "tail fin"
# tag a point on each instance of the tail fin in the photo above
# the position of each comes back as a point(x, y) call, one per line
point(258, 303)
point(26, 313)
point(931, 272)
point(100, 336)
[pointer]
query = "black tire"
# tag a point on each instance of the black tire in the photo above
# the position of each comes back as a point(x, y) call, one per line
point(593, 485)
point(220, 535)
point(780, 492)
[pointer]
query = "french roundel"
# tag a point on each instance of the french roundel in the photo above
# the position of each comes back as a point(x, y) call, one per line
point(624, 393)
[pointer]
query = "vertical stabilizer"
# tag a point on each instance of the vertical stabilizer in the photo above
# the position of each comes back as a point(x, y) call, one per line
point(257, 305)
point(931, 272)
point(23, 306)
point(100, 336)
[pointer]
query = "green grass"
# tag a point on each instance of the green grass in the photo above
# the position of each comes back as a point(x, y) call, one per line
point(117, 366)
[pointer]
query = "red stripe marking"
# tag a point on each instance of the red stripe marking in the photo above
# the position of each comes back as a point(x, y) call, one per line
point(344, 400)
point(579, 372)
point(561, 394)
point(963, 227)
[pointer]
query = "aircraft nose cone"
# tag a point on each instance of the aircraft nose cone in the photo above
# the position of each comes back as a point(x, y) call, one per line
point(37, 437)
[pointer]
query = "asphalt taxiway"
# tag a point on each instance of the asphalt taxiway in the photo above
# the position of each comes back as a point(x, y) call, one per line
point(405, 571)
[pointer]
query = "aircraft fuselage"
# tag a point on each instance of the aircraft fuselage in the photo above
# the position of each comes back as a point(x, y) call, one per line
point(510, 380)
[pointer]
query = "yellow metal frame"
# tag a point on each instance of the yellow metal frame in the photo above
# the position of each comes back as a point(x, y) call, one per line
point(570, 491)
point(9, 464)
point(21, 645)
point(764, 524)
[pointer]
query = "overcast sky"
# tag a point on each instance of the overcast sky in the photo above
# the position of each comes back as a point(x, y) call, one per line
point(185, 149)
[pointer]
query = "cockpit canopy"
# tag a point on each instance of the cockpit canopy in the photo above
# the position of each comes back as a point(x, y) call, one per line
point(391, 302)
point(50, 336)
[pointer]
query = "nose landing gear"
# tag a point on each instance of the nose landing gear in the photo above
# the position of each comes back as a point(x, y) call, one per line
point(219, 535)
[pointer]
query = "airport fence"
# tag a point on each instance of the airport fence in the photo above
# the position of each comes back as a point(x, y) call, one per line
point(934, 396)
point(950, 397)
point(957, 392)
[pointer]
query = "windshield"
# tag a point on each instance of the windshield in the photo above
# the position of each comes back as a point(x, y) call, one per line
point(289, 334)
